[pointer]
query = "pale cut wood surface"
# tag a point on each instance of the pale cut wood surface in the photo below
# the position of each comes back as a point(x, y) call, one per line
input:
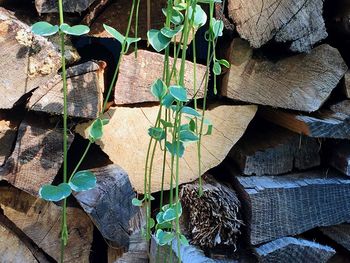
point(85, 85)
point(300, 82)
point(126, 137)
point(40, 221)
point(27, 60)
point(71, 6)
point(12, 249)
point(136, 76)
point(37, 156)
point(8, 134)
point(298, 22)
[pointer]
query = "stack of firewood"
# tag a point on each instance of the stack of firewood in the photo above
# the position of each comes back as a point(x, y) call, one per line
point(276, 185)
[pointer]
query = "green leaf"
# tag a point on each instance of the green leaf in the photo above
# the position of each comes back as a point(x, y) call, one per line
point(224, 62)
point(210, 126)
point(185, 127)
point(176, 16)
point(158, 89)
point(114, 33)
point(136, 202)
point(188, 136)
point(169, 215)
point(44, 29)
point(218, 27)
point(184, 241)
point(163, 237)
point(83, 181)
point(168, 32)
point(200, 17)
point(96, 130)
point(131, 40)
point(166, 124)
point(178, 92)
point(158, 40)
point(192, 125)
point(190, 111)
point(208, 1)
point(167, 101)
point(217, 68)
point(76, 30)
point(55, 193)
point(159, 217)
point(174, 149)
point(156, 133)
point(151, 222)
point(105, 121)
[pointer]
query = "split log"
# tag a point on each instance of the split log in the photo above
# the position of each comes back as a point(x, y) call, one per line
point(339, 156)
point(51, 6)
point(297, 22)
point(85, 85)
point(290, 250)
point(138, 250)
point(37, 155)
point(271, 150)
point(40, 221)
point(323, 124)
point(347, 84)
point(301, 82)
point(339, 233)
point(138, 74)
point(292, 204)
point(229, 122)
point(109, 205)
point(36, 60)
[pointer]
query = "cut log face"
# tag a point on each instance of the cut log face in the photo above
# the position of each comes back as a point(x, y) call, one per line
point(85, 93)
point(347, 84)
point(109, 204)
point(37, 156)
point(298, 22)
point(27, 60)
point(51, 6)
point(40, 221)
point(292, 204)
point(339, 233)
point(138, 74)
point(229, 124)
point(271, 150)
point(301, 82)
point(339, 156)
point(288, 249)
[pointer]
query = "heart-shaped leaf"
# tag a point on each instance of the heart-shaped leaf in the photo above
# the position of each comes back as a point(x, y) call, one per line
point(178, 92)
point(156, 133)
point(169, 215)
point(224, 62)
point(55, 193)
point(217, 68)
point(190, 111)
point(168, 32)
point(188, 136)
point(136, 202)
point(83, 181)
point(114, 33)
point(176, 17)
point(166, 124)
point(200, 17)
point(167, 101)
point(158, 89)
point(96, 130)
point(184, 240)
point(158, 40)
point(44, 29)
point(77, 30)
point(175, 149)
point(218, 27)
point(163, 237)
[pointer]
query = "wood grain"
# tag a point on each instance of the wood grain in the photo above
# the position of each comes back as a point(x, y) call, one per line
point(339, 233)
point(50, 6)
point(8, 134)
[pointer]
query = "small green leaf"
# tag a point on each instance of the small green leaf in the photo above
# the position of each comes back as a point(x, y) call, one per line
point(218, 27)
point(131, 40)
point(176, 17)
point(168, 32)
point(188, 136)
point(83, 181)
point(105, 121)
point(209, 125)
point(208, 1)
point(169, 215)
point(178, 92)
point(136, 202)
point(192, 125)
point(163, 237)
point(96, 130)
point(77, 30)
point(158, 40)
point(190, 111)
point(55, 193)
point(151, 222)
point(156, 133)
point(175, 149)
point(200, 17)
point(217, 68)
point(167, 101)
point(44, 29)
point(166, 124)
point(184, 241)
point(185, 127)
point(114, 33)
point(158, 89)
point(224, 62)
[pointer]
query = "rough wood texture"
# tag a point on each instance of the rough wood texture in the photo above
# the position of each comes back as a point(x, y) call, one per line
point(300, 82)
point(271, 150)
point(85, 92)
point(293, 250)
point(323, 124)
point(347, 84)
point(40, 221)
point(109, 204)
point(339, 233)
point(292, 204)
point(36, 60)
point(138, 74)
point(120, 145)
point(37, 155)
point(339, 156)
point(70, 6)
point(297, 22)
point(213, 218)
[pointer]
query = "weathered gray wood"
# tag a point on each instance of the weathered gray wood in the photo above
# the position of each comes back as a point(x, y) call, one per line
point(271, 150)
point(347, 84)
point(300, 82)
point(297, 22)
point(85, 85)
point(214, 218)
point(71, 6)
point(339, 233)
point(292, 204)
point(339, 156)
point(37, 155)
point(293, 250)
point(27, 60)
point(323, 124)
point(109, 204)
